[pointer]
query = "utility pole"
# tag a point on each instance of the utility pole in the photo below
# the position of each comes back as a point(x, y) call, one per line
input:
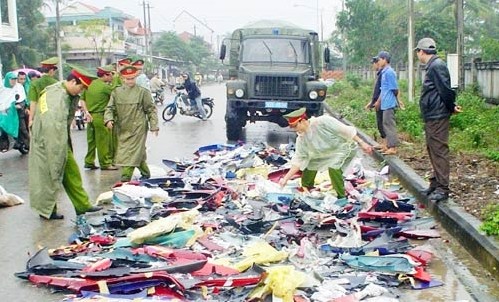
point(146, 50)
point(410, 51)
point(460, 42)
point(58, 38)
point(149, 32)
point(344, 42)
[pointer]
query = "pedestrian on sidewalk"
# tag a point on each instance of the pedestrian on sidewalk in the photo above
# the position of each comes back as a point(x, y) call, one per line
point(322, 143)
point(437, 104)
point(388, 102)
point(94, 101)
point(51, 160)
point(370, 105)
point(132, 112)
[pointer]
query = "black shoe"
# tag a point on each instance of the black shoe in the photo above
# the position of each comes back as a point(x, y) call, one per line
point(438, 195)
point(91, 167)
point(94, 209)
point(428, 191)
point(54, 216)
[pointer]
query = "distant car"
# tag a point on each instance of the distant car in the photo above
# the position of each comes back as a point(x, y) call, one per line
point(328, 82)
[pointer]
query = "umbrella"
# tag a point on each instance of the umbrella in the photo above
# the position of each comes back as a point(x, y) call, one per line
point(28, 70)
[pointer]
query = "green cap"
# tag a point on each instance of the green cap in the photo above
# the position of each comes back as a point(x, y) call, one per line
point(296, 113)
point(81, 73)
point(296, 116)
point(50, 62)
point(106, 68)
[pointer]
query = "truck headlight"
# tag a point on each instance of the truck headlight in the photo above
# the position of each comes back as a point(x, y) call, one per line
point(313, 95)
point(239, 93)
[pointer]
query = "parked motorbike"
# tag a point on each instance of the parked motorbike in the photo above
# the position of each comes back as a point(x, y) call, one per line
point(159, 96)
point(182, 104)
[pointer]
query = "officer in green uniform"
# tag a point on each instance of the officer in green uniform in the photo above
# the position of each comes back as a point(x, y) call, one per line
point(99, 137)
point(132, 113)
point(322, 143)
point(51, 161)
point(48, 69)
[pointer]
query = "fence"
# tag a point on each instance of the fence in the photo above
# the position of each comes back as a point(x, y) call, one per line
point(483, 74)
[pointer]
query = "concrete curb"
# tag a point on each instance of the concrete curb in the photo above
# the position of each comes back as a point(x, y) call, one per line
point(461, 225)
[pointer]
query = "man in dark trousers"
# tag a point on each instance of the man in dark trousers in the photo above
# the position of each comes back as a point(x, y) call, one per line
point(437, 104)
point(370, 105)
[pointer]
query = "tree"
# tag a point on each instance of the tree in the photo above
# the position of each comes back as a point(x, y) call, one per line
point(32, 46)
point(101, 40)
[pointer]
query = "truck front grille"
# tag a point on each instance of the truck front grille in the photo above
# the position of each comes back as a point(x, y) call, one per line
point(280, 86)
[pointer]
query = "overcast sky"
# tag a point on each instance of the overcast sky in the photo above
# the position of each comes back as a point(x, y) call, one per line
point(223, 16)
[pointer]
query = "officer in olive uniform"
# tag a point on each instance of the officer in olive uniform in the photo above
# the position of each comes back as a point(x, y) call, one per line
point(48, 69)
point(52, 165)
point(99, 137)
point(322, 143)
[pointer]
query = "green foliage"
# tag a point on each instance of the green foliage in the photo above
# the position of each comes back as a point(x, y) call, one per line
point(33, 38)
point(475, 129)
point(490, 223)
point(490, 49)
point(354, 80)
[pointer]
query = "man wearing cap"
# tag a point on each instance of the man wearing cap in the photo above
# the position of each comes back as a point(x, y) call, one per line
point(437, 103)
point(387, 102)
point(51, 160)
point(99, 137)
point(322, 142)
point(370, 105)
point(48, 68)
point(132, 113)
point(142, 79)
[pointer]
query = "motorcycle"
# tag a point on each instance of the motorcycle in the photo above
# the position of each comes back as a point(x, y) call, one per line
point(182, 105)
point(159, 96)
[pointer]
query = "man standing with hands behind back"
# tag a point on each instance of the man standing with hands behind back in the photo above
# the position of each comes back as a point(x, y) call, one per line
point(437, 104)
point(132, 111)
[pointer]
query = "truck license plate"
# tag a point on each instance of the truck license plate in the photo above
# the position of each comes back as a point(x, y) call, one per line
point(277, 105)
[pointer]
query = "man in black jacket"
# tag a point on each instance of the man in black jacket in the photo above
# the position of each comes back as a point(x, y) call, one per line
point(437, 104)
point(194, 94)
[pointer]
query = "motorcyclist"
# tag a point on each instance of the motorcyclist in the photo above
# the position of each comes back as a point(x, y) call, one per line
point(157, 86)
point(194, 95)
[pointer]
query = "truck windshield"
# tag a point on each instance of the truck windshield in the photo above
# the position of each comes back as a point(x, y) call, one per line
point(275, 50)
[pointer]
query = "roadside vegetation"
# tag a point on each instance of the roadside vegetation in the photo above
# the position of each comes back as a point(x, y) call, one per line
point(473, 142)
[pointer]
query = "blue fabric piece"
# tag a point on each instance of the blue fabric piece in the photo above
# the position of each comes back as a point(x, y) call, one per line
point(388, 84)
point(385, 264)
point(140, 295)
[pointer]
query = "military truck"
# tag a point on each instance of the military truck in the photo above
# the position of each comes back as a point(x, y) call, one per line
point(274, 69)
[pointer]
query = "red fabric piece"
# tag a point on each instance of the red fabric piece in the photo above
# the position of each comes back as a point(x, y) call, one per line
point(390, 195)
point(102, 240)
point(349, 298)
point(420, 234)
point(401, 216)
point(98, 266)
point(210, 268)
point(422, 275)
point(210, 245)
point(231, 281)
point(424, 257)
point(277, 175)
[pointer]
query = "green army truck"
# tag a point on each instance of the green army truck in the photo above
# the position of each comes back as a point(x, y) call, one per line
point(273, 69)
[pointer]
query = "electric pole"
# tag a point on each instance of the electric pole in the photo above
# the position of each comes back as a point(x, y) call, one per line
point(149, 32)
point(460, 42)
point(410, 51)
point(146, 50)
point(58, 38)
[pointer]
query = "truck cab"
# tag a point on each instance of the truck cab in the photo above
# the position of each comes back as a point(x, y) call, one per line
point(273, 69)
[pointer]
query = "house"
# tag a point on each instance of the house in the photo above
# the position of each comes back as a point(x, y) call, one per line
point(92, 37)
point(8, 25)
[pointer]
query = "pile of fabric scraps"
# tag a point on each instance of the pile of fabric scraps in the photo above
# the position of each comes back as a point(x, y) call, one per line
point(219, 227)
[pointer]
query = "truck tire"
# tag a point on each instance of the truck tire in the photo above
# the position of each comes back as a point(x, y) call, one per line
point(233, 129)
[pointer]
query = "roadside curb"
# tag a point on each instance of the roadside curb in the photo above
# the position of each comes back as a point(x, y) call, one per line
point(461, 225)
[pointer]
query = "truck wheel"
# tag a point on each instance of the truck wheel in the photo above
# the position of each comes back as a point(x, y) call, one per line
point(233, 129)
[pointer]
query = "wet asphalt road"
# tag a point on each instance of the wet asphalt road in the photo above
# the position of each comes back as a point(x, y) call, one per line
point(22, 232)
